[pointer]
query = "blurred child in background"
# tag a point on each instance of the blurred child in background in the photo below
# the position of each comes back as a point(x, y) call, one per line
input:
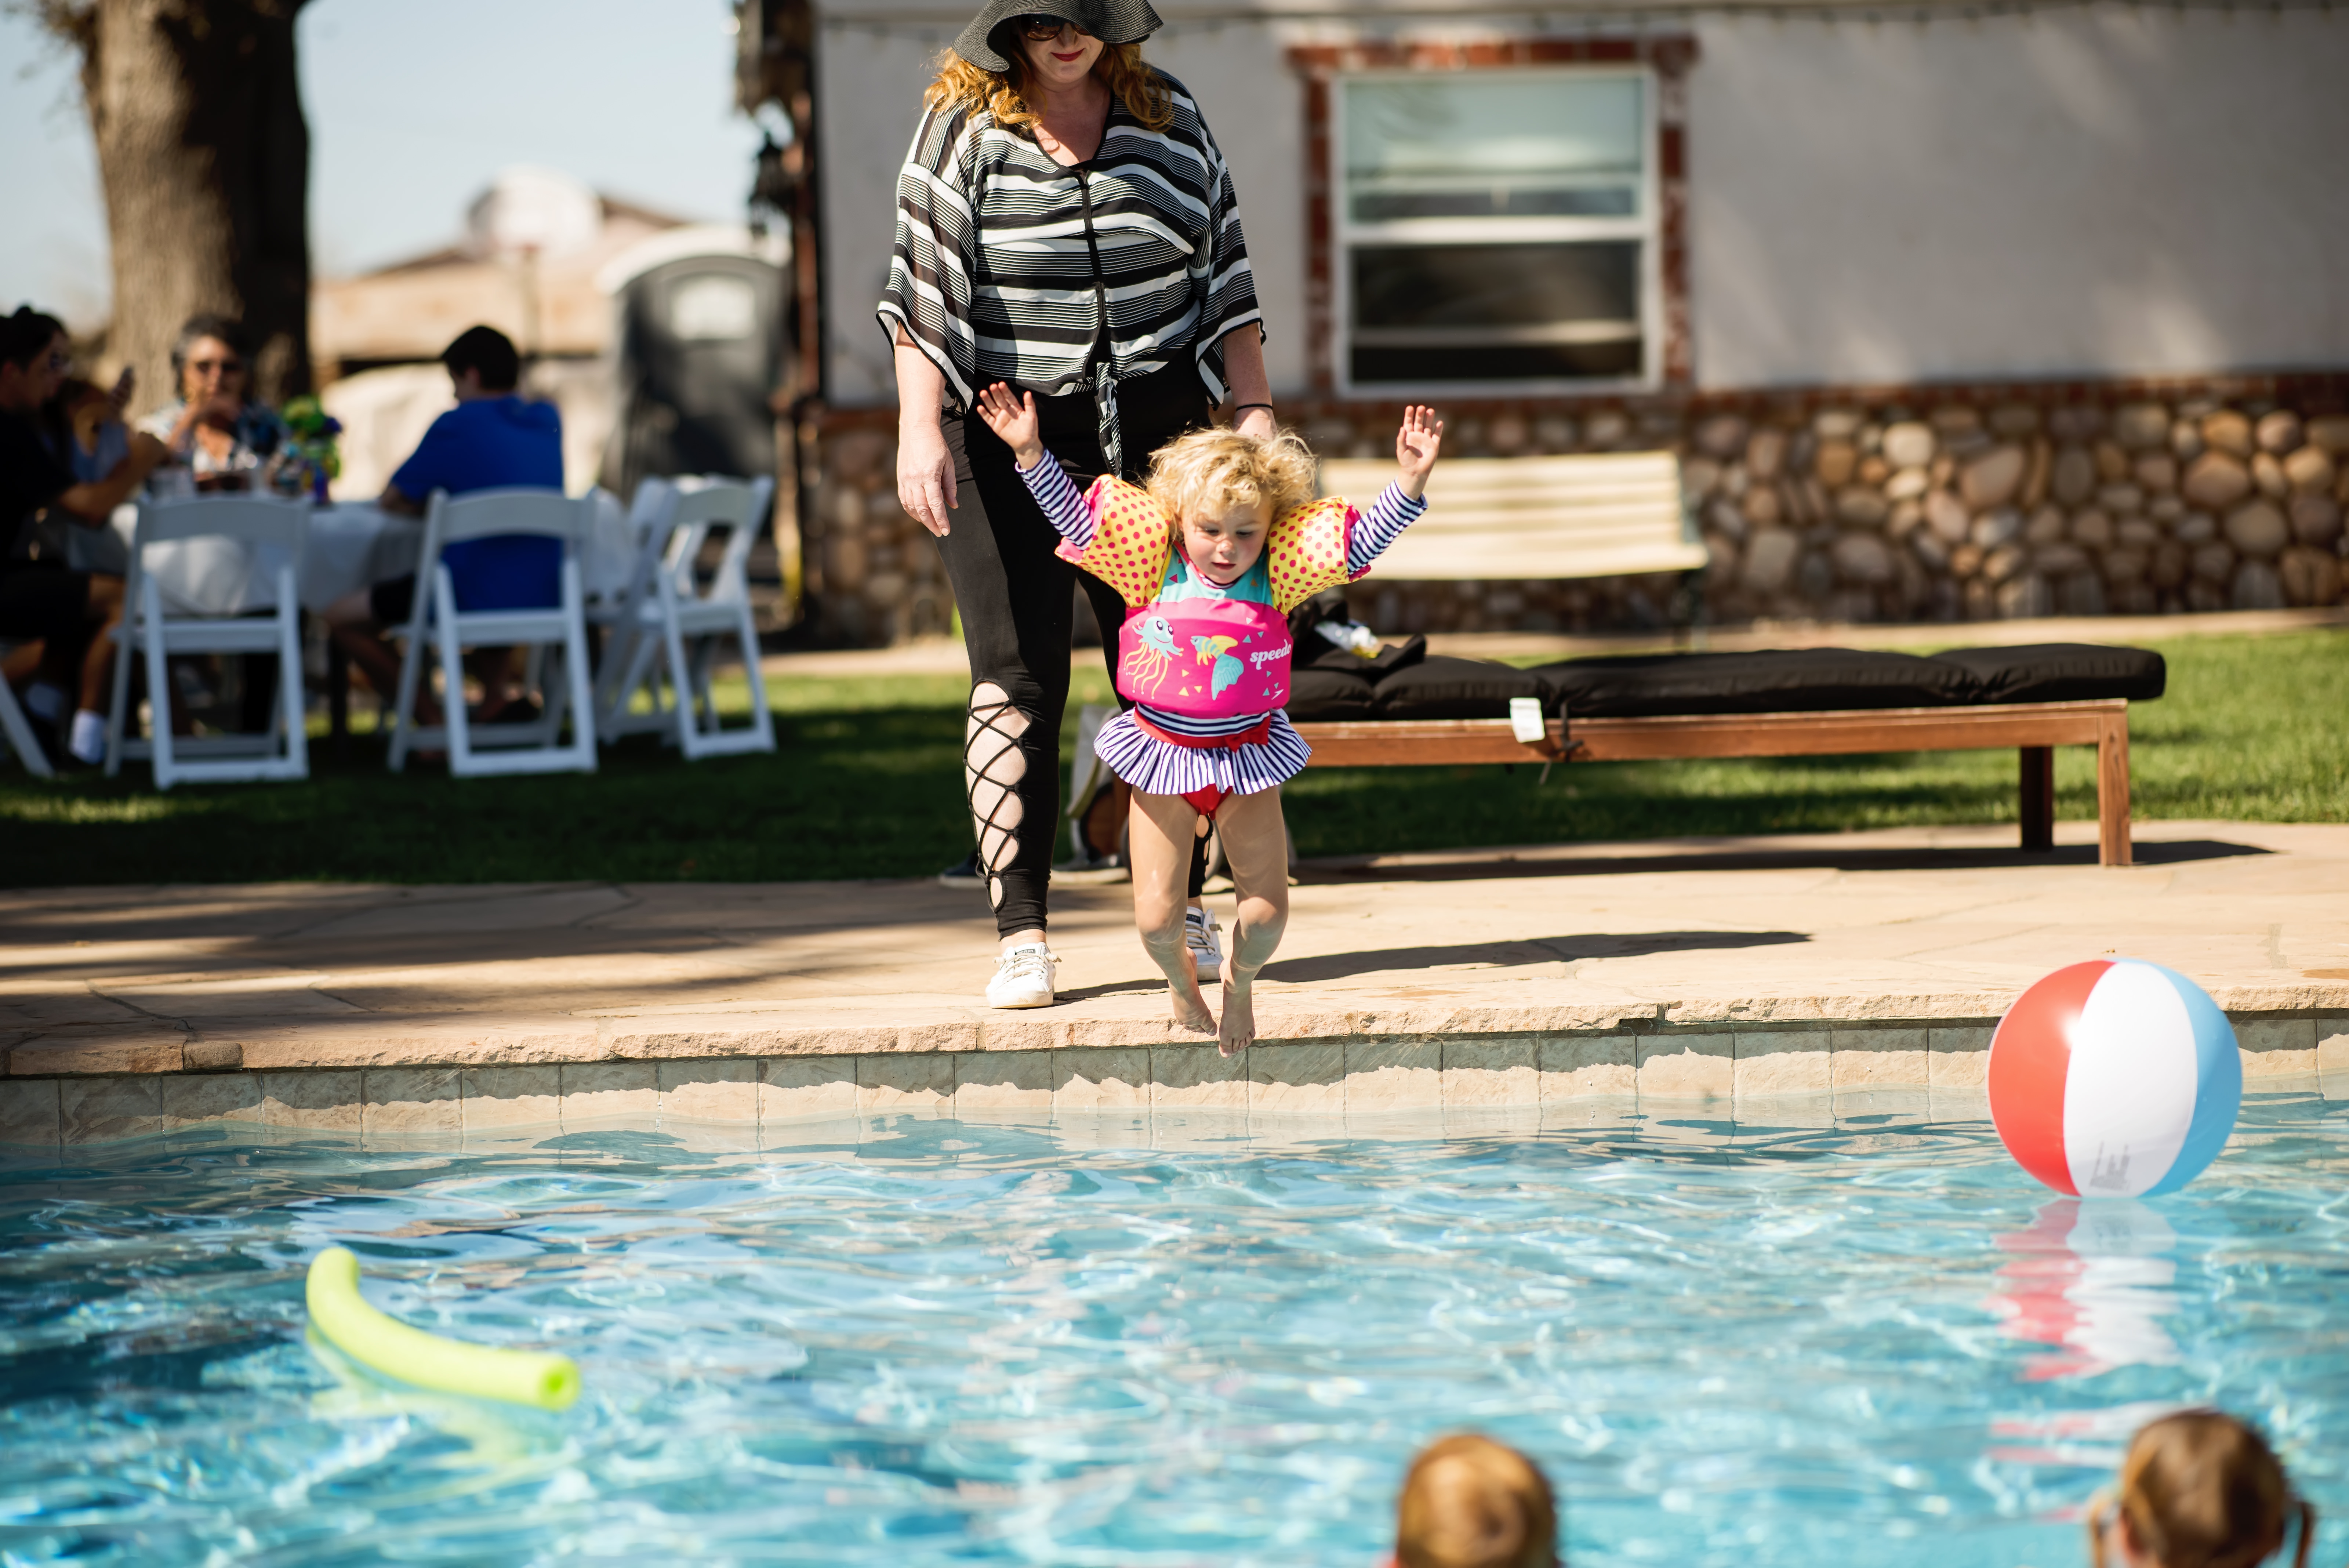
point(1470, 1502)
point(2199, 1489)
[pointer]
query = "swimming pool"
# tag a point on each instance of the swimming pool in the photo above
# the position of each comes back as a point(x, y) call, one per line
point(916, 1342)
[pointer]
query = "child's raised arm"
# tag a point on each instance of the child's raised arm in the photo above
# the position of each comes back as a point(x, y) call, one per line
point(1014, 422)
point(1400, 504)
point(1014, 419)
point(1416, 444)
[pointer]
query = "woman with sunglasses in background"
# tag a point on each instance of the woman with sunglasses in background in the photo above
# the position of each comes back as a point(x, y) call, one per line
point(1065, 224)
point(214, 431)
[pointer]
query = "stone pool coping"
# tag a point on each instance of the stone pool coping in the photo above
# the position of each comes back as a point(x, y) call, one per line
point(1689, 970)
point(1774, 1072)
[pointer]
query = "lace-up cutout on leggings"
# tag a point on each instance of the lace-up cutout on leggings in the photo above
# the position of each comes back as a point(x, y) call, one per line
point(993, 766)
point(1014, 595)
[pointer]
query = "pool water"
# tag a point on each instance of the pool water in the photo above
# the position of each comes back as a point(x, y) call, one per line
point(912, 1342)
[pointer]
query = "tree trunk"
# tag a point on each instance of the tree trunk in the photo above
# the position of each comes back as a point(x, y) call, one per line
point(205, 159)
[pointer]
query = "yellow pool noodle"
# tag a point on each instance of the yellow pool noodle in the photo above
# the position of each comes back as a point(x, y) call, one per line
point(538, 1378)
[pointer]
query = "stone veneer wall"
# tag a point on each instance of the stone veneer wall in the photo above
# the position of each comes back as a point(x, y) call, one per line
point(1917, 503)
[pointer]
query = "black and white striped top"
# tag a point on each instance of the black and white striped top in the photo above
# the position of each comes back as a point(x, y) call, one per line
point(1006, 262)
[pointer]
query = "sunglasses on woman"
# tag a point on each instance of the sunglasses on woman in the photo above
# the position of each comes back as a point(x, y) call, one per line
point(1037, 29)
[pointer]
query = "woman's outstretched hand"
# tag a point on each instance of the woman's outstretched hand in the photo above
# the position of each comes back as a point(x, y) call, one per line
point(1013, 419)
point(1416, 444)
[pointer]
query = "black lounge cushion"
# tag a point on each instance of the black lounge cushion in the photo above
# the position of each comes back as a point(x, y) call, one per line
point(1327, 696)
point(2060, 672)
point(1780, 680)
point(1437, 687)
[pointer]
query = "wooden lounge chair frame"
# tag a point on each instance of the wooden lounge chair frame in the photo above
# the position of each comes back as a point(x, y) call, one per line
point(2034, 729)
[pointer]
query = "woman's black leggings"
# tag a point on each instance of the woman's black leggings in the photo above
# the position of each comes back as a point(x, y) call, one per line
point(1013, 595)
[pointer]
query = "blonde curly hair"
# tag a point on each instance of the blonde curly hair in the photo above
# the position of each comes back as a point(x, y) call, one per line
point(1141, 89)
point(1208, 473)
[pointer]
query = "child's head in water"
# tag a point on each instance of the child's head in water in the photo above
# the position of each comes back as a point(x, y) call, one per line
point(1223, 489)
point(2199, 1489)
point(1470, 1502)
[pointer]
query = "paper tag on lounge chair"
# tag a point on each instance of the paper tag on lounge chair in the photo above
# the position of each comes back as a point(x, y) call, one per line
point(1526, 720)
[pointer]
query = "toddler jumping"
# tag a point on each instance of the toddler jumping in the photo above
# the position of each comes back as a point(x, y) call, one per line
point(1210, 559)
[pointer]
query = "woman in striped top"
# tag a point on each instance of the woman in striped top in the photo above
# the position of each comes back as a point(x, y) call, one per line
point(1066, 224)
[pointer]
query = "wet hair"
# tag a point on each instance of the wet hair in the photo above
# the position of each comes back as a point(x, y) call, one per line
point(205, 323)
point(2202, 1489)
point(489, 354)
point(27, 334)
point(1470, 1502)
point(1207, 472)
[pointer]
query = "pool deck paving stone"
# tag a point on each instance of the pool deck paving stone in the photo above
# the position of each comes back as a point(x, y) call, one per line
point(1762, 970)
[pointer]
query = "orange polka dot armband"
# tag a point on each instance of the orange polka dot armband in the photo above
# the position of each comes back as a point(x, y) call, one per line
point(1132, 540)
point(1307, 550)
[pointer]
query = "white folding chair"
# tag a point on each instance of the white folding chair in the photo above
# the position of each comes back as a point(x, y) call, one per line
point(613, 610)
point(666, 608)
point(439, 631)
point(247, 531)
point(17, 735)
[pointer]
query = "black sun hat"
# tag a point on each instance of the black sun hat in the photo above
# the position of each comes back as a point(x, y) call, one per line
point(1110, 21)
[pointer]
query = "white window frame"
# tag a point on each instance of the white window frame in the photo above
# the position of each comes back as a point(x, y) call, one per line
point(1647, 229)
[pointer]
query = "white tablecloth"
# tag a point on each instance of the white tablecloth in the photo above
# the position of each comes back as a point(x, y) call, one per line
point(348, 546)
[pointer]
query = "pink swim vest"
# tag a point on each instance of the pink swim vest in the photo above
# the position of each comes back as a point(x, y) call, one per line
point(1205, 658)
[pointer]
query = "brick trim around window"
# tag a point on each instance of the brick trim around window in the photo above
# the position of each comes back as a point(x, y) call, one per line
point(1668, 56)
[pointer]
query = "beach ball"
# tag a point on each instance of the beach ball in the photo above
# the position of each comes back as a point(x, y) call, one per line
point(2115, 1079)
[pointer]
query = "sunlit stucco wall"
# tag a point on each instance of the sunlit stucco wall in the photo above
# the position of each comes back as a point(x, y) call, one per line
point(2105, 192)
point(2093, 193)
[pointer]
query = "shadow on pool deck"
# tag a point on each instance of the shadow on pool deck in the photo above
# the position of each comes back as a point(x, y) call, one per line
point(1510, 954)
point(1608, 860)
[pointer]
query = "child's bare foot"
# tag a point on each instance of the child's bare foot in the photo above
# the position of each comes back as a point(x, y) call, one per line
point(1238, 1030)
point(1190, 1005)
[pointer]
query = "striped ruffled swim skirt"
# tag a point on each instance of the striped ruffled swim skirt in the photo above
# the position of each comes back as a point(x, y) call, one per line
point(1155, 763)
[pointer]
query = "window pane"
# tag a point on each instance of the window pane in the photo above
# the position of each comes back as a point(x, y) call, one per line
point(1499, 200)
point(1616, 362)
point(1494, 143)
point(1475, 313)
point(1454, 287)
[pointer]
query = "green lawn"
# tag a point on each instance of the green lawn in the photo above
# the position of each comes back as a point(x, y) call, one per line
point(867, 784)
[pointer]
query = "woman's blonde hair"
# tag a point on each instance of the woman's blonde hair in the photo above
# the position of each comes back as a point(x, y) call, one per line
point(1140, 87)
point(1207, 472)
point(1470, 1502)
point(2202, 1489)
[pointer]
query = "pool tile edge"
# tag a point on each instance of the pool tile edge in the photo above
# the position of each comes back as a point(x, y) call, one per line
point(1878, 1066)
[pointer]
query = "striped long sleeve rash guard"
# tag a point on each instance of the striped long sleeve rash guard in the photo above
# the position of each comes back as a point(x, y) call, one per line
point(994, 273)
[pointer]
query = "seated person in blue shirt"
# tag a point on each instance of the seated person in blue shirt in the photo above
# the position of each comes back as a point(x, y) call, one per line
point(492, 439)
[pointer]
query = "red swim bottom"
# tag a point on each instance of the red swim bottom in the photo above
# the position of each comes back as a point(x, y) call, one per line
point(1204, 801)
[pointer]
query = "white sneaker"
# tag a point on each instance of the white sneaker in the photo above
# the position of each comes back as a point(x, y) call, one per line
point(1023, 978)
point(1205, 938)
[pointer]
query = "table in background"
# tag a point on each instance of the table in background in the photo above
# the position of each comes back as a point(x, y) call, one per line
point(347, 547)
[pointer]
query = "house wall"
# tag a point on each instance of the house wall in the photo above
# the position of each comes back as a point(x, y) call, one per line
point(2082, 191)
point(2085, 191)
point(2029, 233)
